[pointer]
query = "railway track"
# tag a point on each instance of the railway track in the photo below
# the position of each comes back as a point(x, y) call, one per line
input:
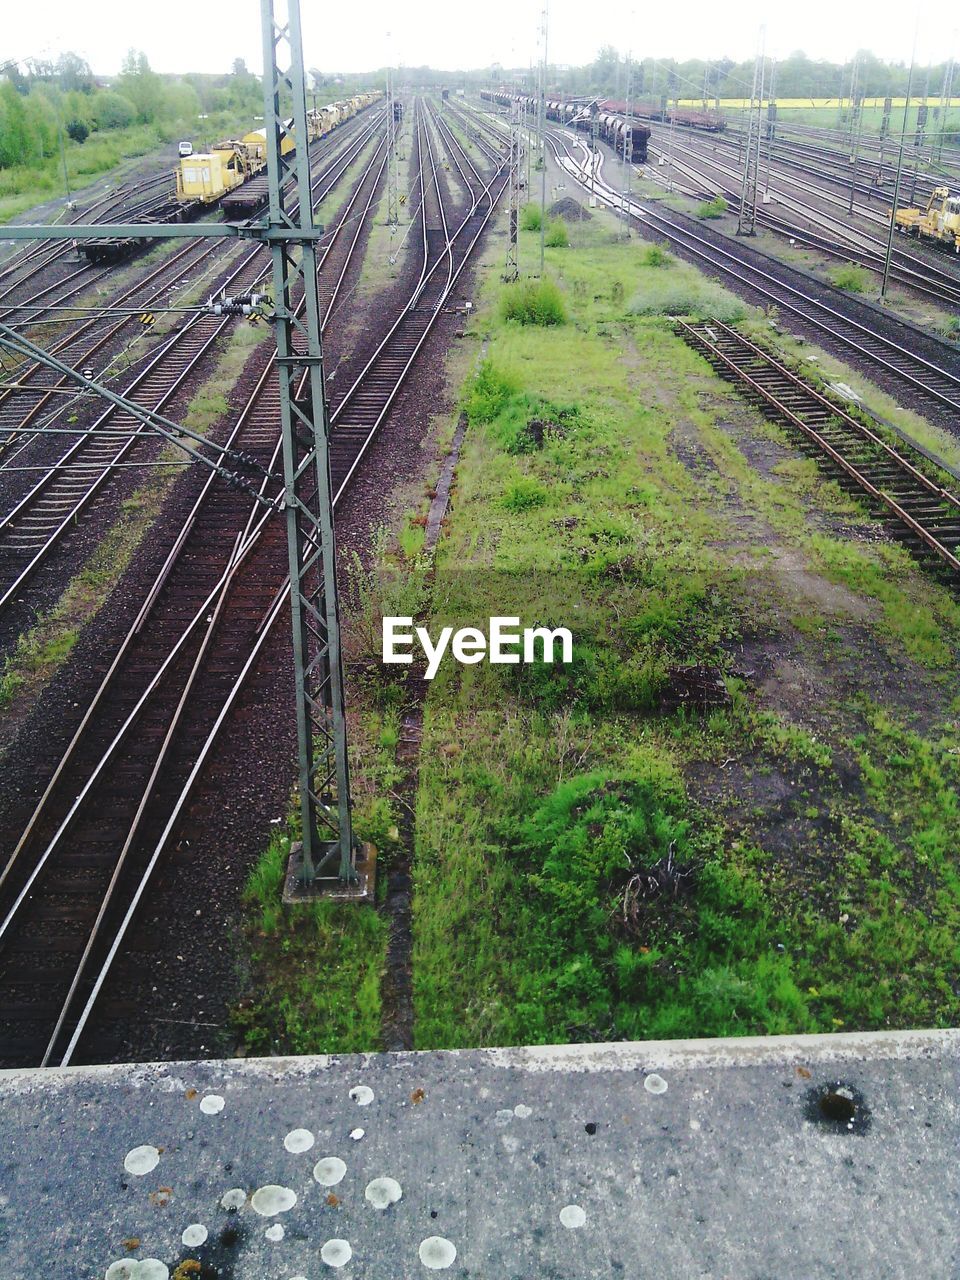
point(794, 217)
point(832, 157)
point(920, 510)
point(21, 275)
point(36, 525)
point(114, 802)
point(105, 209)
point(933, 384)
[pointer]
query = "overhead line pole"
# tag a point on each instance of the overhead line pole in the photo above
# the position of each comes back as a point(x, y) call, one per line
point(543, 138)
point(627, 156)
point(856, 129)
point(747, 214)
point(896, 185)
point(324, 777)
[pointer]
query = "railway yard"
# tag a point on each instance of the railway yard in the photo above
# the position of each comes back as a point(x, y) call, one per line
point(701, 438)
point(140, 599)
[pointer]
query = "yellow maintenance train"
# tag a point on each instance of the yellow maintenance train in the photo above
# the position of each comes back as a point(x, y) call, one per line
point(207, 176)
point(939, 221)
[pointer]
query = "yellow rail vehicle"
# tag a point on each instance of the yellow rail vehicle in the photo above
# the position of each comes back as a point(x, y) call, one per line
point(939, 221)
point(207, 175)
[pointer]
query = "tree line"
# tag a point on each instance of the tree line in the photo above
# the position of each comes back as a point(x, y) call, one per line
point(42, 103)
point(794, 77)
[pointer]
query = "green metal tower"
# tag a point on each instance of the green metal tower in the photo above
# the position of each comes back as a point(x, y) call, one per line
point(321, 722)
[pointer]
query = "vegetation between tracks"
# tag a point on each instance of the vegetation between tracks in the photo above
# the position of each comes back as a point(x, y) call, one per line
point(675, 835)
point(657, 841)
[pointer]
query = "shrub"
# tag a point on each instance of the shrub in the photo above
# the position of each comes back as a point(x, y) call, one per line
point(530, 218)
point(77, 130)
point(850, 277)
point(487, 394)
point(112, 111)
point(585, 844)
point(714, 208)
point(533, 302)
point(655, 255)
point(556, 236)
point(675, 298)
point(524, 494)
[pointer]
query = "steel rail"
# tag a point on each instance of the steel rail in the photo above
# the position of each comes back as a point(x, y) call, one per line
point(106, 203)
point(244, 547)
point(66, 519)
point(777, 291)
point(162, 577)
point(335, 164)
point(273, 613)
point(700, 337)
point(909, 269)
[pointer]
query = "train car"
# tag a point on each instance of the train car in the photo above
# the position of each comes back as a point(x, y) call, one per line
point(207, 175)
point(686, 117)
point(939, 221)
point(218, 174)
point(611, 119)
point(256, 143)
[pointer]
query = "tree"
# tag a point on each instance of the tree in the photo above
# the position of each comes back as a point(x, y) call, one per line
point(141, 86)
point(112, 111)
point(15, 141)
point(78, 131)
point(239, 68)
point(11, 72)
point(75, 74)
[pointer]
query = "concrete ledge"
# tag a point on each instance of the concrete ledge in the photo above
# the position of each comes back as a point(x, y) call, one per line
point(677, 1159)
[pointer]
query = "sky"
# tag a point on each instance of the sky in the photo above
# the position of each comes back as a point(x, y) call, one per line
point(206, 35)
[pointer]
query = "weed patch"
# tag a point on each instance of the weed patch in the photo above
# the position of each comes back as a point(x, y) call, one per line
point(535, 302)
point(714, 208)
point(850, 277)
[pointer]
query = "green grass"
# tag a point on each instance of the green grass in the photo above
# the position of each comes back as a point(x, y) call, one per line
point(573, 881)
point(656, 255)
point(714, 208)
point(534, 302)
point(850, 277)
point(530, 218)
point(556, 236)
point(317, 969)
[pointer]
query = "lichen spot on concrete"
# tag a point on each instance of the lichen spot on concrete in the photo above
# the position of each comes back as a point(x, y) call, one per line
point(195, 1234)
point(521, 1110)
point(275, 1233)
point(211, 1104)
point(272, 1199)
point(572, 1216)
point(654, 1083)
point(125, 1269)
point(138, 1269)
point(383, 1192)
point(436, 1253)
point(298, 1140)
point(336, 1253)
point(361, 1095)
point(329, 1171)
point(141, 1160)
point(235, 1198)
